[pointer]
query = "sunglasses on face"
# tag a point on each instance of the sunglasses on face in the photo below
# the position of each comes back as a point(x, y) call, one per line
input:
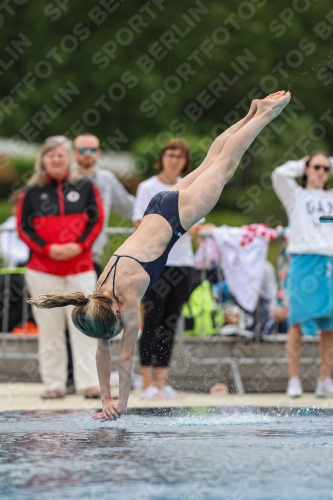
point(318, 167)
point(92, 151)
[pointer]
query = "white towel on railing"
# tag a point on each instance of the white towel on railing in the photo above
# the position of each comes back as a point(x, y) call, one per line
point(241, 252)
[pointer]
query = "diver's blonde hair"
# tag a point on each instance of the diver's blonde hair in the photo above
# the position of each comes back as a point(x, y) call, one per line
point(92, 315)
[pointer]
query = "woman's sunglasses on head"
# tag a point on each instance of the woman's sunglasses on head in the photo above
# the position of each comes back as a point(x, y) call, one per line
point(92, 151)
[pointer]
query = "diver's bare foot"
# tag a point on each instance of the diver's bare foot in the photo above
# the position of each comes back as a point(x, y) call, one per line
point(273, 104)
point(254, 104)
point(254, 107)
point(275, 95)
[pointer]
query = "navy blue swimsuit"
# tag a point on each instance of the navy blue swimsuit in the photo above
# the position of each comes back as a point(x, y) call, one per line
point(164, 203)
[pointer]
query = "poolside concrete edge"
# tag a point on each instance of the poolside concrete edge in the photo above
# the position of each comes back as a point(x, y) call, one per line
point(23, 396)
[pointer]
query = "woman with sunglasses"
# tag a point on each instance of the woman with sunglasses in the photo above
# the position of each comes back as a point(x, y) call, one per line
point(136, 265)
point(310, 279)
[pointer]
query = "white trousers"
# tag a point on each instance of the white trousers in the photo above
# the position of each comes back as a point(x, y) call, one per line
point(52, 325)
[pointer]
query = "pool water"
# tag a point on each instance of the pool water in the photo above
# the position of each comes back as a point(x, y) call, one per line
point(190, 453)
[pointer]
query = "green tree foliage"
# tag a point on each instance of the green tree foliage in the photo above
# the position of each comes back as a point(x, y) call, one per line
point(134, 72)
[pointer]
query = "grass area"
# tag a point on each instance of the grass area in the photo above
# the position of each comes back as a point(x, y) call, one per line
point(228, 217)
point(5, 210)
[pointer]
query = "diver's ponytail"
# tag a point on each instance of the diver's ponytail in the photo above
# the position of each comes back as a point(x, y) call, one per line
point(92, 315)
point(59, 300)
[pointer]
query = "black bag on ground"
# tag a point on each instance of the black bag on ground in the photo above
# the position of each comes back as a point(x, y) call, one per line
point(18, 308)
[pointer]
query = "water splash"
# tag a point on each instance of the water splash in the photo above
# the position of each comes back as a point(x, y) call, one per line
point(315, 68)
point(201, 421)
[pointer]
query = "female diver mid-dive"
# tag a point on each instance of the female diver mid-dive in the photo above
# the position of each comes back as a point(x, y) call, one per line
point(134, 268)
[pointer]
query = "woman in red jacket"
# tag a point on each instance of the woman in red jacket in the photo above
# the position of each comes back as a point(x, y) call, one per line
point(59, 216)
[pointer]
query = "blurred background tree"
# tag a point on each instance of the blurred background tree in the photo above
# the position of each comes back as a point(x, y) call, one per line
point(135, 73)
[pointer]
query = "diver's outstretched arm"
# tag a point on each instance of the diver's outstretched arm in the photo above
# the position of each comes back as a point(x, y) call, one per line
point(111, 409)
point(130, 317)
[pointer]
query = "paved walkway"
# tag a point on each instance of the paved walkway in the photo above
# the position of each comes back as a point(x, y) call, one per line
point(21, 396)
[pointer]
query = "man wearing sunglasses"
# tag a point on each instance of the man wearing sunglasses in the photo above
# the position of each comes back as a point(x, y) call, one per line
point(310, 274)
point(114, 195)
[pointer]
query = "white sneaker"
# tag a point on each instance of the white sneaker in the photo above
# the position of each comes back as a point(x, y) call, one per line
point(324, 388)
point(169, 392)
point(150, 393)
point(137, 381)
point(294, 389)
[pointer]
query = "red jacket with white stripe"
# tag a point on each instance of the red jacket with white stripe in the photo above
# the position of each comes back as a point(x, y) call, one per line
point(60, 212)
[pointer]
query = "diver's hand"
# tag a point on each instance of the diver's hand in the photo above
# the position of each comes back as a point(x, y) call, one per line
point(111, 411)
point(123, 407)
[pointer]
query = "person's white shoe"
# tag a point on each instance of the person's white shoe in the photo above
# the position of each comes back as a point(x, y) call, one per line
point(150, 393)
point(324, 388)
point(294, 389)
point(169, 392)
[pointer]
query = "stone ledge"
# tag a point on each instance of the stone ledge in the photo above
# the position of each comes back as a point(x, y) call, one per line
point(26, 396)
point(197, 363)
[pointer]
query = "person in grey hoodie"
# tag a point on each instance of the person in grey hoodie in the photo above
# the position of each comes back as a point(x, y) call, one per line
point(114, 195)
